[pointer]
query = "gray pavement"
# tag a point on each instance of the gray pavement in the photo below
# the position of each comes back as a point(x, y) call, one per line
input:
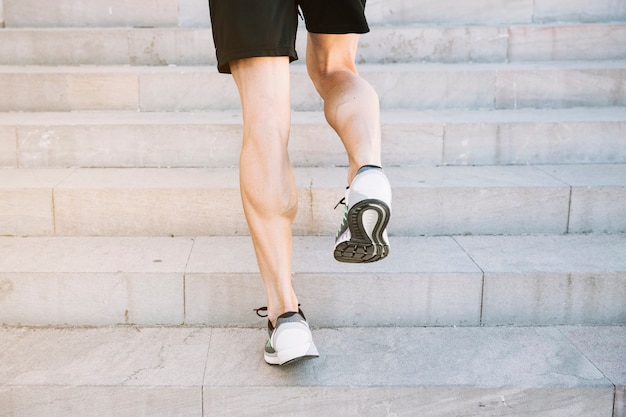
point(196, 371)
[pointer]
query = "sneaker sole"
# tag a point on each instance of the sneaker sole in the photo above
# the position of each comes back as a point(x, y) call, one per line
point(290, 356)
point(367, 221)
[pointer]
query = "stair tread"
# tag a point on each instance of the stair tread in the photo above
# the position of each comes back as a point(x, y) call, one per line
point(364, 68)
point(233, 357)
point(389, 116)
point(378, 26)
point(582, 253)
point(552, 176)
point(526, 369)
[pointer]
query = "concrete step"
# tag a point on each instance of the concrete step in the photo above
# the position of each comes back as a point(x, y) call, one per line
point(482, 12)
point(194, 13)
point(175, 46)
point(428, 200)
point(214, 281)
point(106, 46)
point(105, 13)
point(406, 86)
point(566, 42)
point(212, 139)
point(196, 372)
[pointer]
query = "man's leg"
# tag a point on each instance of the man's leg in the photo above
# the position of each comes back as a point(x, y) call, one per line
point(351, 105)
point(267, 184)
point(352, 108)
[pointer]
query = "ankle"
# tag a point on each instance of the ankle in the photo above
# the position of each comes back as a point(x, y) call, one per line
point(367, 168)
point(274, 313)
point(354, 171)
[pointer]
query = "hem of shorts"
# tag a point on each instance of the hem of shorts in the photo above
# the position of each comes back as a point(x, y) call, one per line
point(340, 30)
point(224, 61)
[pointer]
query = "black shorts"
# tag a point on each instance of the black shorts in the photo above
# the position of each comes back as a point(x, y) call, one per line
point(254, 28)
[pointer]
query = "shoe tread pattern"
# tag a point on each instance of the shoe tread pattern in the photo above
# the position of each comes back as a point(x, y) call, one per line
point(363, 248)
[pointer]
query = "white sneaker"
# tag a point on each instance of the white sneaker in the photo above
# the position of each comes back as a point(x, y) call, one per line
point(290, 341)
point(362, 236)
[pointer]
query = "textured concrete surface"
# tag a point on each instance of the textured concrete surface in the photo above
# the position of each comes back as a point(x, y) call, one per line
point(587, 278)
point(95, 13)
point(584, 42)
point(105, 13)
point(561, 88)
point(426, 281)
point(449, 11)
point(384, 44)
point(107, 46)
point(598, 197)
point(392, 371)
point(428, 201)
point(26, 201)
point(213, 139)
point(70, 90)
point(8, 146)
point(446, 290)
point(544, 140)
point(93, 281)
point(407, 86)
point(606, 347)
point(139, 202)
point(194, 13)
point(579, 10)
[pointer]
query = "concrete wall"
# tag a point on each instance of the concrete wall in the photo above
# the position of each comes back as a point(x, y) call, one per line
point(106, 13)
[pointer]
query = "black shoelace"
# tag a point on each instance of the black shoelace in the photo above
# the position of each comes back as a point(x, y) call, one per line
point(260, 309)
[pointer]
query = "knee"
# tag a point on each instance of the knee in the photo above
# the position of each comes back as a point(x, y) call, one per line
point(328, 81)
point(322, 74)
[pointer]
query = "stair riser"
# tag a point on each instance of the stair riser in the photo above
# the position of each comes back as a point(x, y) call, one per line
point(428, 201)
point(371, 402)
point(419, 299)
point(494, 12)
point(189, 212)
point(185, 13)
point(521, 299)
point(106, 47)
point(104, 13)
point(49, 299)
point(8, 146)
point(318, 401)
point(180, 281)
point(218, 145)
point(382, 45)
point(227, 300)
point(64, 92)
point(416, 87)
point(197, 145)
point(562, 43)
point(121, 401)
point(534, 143)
